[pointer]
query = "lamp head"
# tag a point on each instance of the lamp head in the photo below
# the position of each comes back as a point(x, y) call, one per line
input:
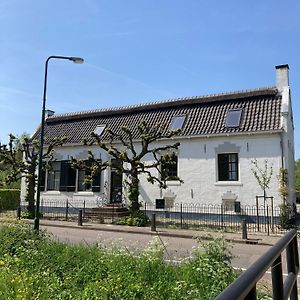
point(77, 60)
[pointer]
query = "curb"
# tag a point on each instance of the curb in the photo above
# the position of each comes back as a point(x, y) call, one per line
point(155, 233)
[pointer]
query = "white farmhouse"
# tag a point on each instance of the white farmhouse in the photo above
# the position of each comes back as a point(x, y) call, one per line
point(221, 134)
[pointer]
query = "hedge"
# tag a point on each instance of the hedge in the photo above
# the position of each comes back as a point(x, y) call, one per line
point(9, 199)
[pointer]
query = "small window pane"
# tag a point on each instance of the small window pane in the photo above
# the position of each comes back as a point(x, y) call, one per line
point(233, 118)
point(228, 167)
point(177, 122)
point(99, 129)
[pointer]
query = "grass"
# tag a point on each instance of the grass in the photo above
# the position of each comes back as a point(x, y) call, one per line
point(36, 267)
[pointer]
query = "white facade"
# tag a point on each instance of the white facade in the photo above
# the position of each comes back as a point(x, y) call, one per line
point(198, 168)
point(198, 165)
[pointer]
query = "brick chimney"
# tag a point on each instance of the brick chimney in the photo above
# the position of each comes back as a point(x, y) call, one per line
point(282, 76)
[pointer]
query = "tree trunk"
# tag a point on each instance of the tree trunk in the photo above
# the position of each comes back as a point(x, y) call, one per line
point(30, 190)
point(133, 193)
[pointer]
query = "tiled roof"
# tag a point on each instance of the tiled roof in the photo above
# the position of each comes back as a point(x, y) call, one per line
point(204, 115)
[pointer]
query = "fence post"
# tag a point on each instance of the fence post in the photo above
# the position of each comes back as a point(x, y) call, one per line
point(153, 222)
point(222, 216)
point(83, 207)
point(291, 255)
point(181, 215)
point(277, 283)
point(113, 211)
point(80, 217)
point(268, 221)
point(244, 229)
point(19, 212)
point(257, 214)
point(67, 209)
point(272, 214)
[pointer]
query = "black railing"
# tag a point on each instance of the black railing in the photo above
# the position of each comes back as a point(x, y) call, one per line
point(245, 286)
point(65, 209)
point(265, 218)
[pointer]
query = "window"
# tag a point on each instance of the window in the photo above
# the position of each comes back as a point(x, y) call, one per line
point(169, 168)
point(228, 167)
point(53, 177)
point(177, 122)
point(233, 117)
point(99, 129)
point(67, 177)
point(81, 186)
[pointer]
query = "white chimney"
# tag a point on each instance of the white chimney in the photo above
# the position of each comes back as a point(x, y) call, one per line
point(282, 76)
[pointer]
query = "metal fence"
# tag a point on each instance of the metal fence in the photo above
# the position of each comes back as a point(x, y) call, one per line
point(65, 209)
point(219, 217)
point(265, 218)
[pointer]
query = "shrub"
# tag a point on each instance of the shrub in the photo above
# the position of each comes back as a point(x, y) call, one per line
point(9, 199)
point(138, 219)
point(286, 218)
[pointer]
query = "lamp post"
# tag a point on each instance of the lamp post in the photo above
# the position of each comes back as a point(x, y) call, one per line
point(76, 60)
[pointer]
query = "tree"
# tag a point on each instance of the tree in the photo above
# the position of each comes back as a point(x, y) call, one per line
point(22, 158)
point(297, 175)
point(132, 154)
point(263, 175)
point(6, 169)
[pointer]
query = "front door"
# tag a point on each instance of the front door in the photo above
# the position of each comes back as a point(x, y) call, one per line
point(115, 187)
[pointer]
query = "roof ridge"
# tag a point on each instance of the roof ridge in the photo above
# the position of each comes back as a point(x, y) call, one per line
point(171, 101)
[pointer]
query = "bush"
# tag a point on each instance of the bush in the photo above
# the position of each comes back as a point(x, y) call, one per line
point(138, 219)
point(9, 199)
point(286, 216)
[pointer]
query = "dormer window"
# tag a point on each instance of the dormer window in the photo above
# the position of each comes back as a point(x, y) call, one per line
point(177, 122)
point(233, 118)
point(99, 129)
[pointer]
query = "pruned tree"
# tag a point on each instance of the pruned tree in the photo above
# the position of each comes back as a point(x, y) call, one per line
point(263, 175)
point(137, 156)
point(23, 159)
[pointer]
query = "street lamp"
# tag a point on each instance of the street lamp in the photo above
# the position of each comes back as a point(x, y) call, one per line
point(76, 60)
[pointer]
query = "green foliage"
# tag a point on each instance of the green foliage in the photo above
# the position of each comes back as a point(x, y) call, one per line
point(283, 183)
point(33, 267)
point(9, 199)
point(286, 220)
point(217, 248)
point(139, 218)
point(263, 174)
point(21, 155)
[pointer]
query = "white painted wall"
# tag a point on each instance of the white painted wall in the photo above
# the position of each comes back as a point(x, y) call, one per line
point(198, 169)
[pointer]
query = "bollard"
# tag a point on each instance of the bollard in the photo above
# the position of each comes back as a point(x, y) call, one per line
point(19, 212)
point(244, 229)
point(67, 210)
point(153, 222)
point(80, 217)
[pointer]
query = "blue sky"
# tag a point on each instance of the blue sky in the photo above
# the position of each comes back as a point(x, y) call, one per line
point(140, 50)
